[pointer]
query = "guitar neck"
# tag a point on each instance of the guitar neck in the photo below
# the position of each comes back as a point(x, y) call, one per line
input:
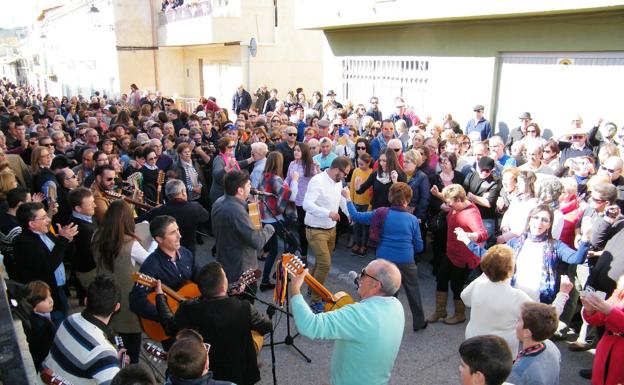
point(172, 293)
point(318, 287)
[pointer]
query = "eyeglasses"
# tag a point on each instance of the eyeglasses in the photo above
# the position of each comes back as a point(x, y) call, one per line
point(109, 179)
point(478, 110)
point(48, 144)
point(466, 143)
point(276, 139)
point(342, 171)
point(540, 218)
point(375, 102)
point(396, 149)
point(443, 161)
point(292, 134)
point(485, 170)
point(361, 147)
point(151, 158)
point(363, 273)
point(72, 177)
point(231, 146)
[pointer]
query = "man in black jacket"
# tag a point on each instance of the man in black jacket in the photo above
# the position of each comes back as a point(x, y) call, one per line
point(41, 253)
point(82, 204)
point(224, 322)
point(188, 215)
point(241, 100)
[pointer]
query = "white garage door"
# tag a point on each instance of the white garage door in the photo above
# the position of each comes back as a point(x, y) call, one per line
point(554, 87)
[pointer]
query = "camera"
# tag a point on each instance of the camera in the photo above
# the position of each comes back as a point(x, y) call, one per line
point(612, 212)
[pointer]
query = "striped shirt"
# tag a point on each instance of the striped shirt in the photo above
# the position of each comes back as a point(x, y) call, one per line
point(81, 352)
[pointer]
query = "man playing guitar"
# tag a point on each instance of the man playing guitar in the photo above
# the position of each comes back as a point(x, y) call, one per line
point(171, 263)
point(237, 240)
point(224, 322)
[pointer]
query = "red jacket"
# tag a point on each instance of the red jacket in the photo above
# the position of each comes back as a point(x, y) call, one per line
point(610, 347)
point(468, 219)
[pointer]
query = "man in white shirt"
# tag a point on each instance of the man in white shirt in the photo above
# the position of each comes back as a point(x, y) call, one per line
point(321, 204)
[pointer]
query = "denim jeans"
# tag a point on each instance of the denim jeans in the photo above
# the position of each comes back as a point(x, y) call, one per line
point(360, 231)
point(272, 247)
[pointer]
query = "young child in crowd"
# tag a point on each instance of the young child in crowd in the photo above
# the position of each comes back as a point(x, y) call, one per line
point(485, 360)
point(361, 201)
point(42, 328)
point(538, 361)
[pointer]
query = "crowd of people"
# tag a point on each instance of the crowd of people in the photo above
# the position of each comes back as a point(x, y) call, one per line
point(525, 230)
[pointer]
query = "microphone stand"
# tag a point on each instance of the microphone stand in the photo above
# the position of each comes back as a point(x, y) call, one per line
point(289, 240)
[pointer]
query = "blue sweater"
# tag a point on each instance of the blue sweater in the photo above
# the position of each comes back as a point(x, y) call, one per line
point(400, 238)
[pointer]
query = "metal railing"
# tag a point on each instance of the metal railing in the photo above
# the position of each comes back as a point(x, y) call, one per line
point(192, 9)
point(187, 104)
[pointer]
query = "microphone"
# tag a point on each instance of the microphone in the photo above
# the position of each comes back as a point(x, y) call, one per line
point(355, 277)
point(260, 193)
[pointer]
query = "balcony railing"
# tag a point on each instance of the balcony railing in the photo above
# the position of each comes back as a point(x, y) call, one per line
point(193, 9)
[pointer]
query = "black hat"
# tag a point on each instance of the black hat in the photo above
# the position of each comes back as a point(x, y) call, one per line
point(486, 163)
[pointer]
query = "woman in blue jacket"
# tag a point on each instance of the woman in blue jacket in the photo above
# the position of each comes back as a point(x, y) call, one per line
point(397, 234)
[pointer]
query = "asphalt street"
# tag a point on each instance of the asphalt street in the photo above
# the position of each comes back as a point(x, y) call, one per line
point(427, 357)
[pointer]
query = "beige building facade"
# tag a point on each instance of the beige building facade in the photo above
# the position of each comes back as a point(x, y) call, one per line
point(200, 49)
point(552, 58)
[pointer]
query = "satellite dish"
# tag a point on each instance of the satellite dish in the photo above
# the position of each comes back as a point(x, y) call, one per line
point(253, 47)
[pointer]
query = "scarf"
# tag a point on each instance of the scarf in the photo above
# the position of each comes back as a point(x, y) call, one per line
point(377, 223)
point(227, 163)
point(548, 281)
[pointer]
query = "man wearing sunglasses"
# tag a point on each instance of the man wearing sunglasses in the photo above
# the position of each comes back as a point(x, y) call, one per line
point(104, 181)
point(287, 147)
point(368, 333)
point(612, 168)
point(574, 144)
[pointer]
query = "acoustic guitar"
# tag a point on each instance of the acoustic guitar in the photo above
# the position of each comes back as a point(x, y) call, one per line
point(50, 378)
point(254, 215)
point(293, 264)
point(153, 329)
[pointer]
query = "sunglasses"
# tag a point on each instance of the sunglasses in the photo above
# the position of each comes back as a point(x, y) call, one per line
point(361, 147)
point(609, 170)
point(109, 179)
point(363, 273)
point(485, 170)
point(540, 218)
point(396, 149)
point(276, 139)
point(292, 134)
point(48, 144)
point(478, 110)
point(598, 200)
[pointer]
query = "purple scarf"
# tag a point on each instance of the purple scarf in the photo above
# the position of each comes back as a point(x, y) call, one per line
point(377, 223)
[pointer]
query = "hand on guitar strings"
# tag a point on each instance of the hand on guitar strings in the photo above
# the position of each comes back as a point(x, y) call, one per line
point(296, 282)
point(159, 289)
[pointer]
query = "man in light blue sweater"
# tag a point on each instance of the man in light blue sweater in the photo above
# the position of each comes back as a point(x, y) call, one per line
point(368, 334)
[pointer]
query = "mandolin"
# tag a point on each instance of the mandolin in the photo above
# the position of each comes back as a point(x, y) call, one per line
point(293, 264)
point(50, 378)
point(120, 345)
point(159, 182)
point(114, 195)
point(153, 329)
